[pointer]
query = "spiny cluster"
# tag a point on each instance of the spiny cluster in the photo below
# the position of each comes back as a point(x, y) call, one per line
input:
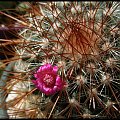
point(82, 39)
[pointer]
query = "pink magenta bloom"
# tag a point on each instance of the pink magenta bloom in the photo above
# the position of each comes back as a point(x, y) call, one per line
point(47, 79)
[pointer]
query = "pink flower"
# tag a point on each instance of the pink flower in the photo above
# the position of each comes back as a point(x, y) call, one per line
point(47, 79)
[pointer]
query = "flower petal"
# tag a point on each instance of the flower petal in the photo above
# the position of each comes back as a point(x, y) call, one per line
point(46, 89)
point(58, 81)
point(46, 67)
point(40, 87)
point(55, 88)
point(35, 75)
point(39, 69)
point(50, 91)
point(35, 82)
point(55, 69)
point(39, 75)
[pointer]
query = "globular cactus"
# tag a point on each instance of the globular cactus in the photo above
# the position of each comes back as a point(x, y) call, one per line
point(68, 65)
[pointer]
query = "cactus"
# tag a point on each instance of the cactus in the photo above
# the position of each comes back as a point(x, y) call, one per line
point(81, 43)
